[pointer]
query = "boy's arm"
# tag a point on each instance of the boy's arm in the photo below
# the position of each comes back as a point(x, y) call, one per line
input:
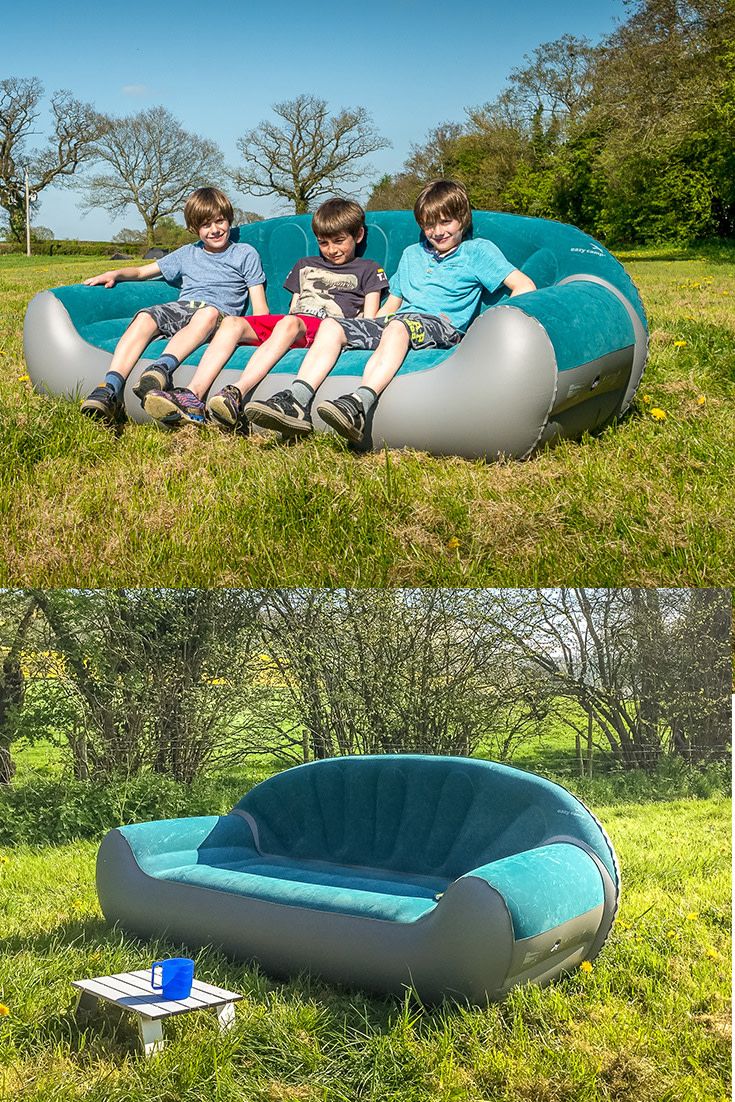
point(257, 299)
point(391, 304)
point(518, 283)
point(123, 275)
point(371, 305)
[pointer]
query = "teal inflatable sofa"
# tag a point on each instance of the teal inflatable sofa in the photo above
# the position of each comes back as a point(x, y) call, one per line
point(555, 363)
point(458, 877)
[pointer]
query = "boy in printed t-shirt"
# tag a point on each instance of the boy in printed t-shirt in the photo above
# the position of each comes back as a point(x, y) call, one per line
point(434, 296)
point(216, 275)
point(335, 284)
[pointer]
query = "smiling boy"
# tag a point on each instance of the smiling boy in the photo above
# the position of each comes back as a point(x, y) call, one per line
point(216, 276)
point(334, 284)
point(434, 296)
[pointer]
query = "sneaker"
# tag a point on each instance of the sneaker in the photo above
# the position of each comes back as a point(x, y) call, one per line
point(172, 406)
point(156, 377)
point(225, 409)
point(346, 415)
point(281, 412)
point(104, 404)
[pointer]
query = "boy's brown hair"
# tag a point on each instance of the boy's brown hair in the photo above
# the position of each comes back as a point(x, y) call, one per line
point(338, 216)
point(443, 199)
point(204, 205)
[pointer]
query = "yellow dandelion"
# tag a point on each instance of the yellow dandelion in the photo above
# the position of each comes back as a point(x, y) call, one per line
point(696, 284)
point(4, 1012)
point(658, 414)
point(623, 925)
point(701, 400)
point(24, 378)
point(680, 344)
point(585, 966)
point(453, 543)
point(3, 859)
point(692, 916)
point(646, 398)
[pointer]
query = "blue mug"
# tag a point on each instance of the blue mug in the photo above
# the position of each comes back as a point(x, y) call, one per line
point(177, 976)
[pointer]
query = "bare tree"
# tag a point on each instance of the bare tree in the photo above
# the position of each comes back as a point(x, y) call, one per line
point(155, 165)
point(308, 154)
point(76, 126)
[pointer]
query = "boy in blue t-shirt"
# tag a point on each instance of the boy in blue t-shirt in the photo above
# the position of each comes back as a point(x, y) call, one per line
point(434, 296)
point(215, 275)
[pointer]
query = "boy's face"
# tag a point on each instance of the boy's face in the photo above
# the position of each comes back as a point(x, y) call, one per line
point(444, 235)
point(340, 247)
point(215, 235)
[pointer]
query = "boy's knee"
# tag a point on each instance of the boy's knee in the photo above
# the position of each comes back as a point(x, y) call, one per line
point(208, 315)
point(331, 330)
point(290, 325)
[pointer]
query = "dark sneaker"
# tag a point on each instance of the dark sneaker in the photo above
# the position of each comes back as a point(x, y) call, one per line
point(282, 413)
point(104, 404)
point(225, 409)
point(346, 415)
point(156, 377)
point(172, 406)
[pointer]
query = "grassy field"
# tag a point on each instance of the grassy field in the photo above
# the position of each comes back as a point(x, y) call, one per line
point(647, 502)
point(648, 1023)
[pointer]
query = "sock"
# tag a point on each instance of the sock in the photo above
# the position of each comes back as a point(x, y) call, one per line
point(167, 361)
point(115, 381)
point(303, 393)
point(366, 396)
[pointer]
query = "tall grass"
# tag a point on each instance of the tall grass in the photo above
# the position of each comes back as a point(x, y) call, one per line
point(646, 502)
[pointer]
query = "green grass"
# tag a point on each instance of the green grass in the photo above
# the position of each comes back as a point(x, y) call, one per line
point(646, 502)
point(649, 1023)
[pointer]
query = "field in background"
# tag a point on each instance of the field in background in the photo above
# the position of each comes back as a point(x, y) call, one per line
point(648, 502)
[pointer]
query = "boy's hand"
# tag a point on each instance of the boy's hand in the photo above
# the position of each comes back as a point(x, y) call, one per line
point(107, 279)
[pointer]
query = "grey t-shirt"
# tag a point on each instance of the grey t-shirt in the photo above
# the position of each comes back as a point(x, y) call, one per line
point(333, 290)
point(219, 279)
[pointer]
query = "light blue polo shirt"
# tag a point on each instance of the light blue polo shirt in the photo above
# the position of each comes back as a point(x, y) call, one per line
point(450, 285)
point(219, 279)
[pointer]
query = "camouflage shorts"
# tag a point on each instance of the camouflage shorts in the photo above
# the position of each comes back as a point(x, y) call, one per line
point(170, 317)
point(424, 331)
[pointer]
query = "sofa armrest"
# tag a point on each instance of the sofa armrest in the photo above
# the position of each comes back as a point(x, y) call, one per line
point(167, 843)
point(583, 320)
point(544, 887)
point(86, 305)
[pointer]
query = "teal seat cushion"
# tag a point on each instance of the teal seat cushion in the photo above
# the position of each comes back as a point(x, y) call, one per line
point(317, 885)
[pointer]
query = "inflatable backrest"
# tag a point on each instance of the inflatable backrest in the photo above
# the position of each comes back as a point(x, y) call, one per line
point(412, 813)
point(547, 251)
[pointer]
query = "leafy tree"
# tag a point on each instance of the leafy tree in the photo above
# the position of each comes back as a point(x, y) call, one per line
point(155, 164)
point(160, 679)
point(76, 126)
point(308, 153)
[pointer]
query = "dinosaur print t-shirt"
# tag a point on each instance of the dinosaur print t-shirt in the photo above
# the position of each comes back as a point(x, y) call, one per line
point(333, 290)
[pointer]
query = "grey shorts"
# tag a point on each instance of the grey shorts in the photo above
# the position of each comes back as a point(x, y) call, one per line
point(170, 317)
point(424, 331)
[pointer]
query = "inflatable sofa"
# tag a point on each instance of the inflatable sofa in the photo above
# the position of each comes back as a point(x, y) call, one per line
point(459, 877)
point(555, 363)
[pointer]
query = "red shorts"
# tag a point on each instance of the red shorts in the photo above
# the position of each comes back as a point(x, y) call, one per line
point(264, 324)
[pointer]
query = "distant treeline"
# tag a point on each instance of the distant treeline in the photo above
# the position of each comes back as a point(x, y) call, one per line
point(632, 138)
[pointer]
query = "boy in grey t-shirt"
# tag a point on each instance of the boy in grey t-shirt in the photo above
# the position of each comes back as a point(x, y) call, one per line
point(215, 275)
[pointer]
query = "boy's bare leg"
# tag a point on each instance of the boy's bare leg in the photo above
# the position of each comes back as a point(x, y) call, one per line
point(194, 333)
point(288, 411)
point(132, 344)
point(387, 357)
point(232, 332)
point(348, 414)
point(323, 354)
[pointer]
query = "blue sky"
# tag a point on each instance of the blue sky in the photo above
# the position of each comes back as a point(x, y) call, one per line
point(219, 67)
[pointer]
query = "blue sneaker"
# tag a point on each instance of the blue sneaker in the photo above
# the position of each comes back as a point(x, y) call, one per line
point(172, 406)
point(105, 405)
